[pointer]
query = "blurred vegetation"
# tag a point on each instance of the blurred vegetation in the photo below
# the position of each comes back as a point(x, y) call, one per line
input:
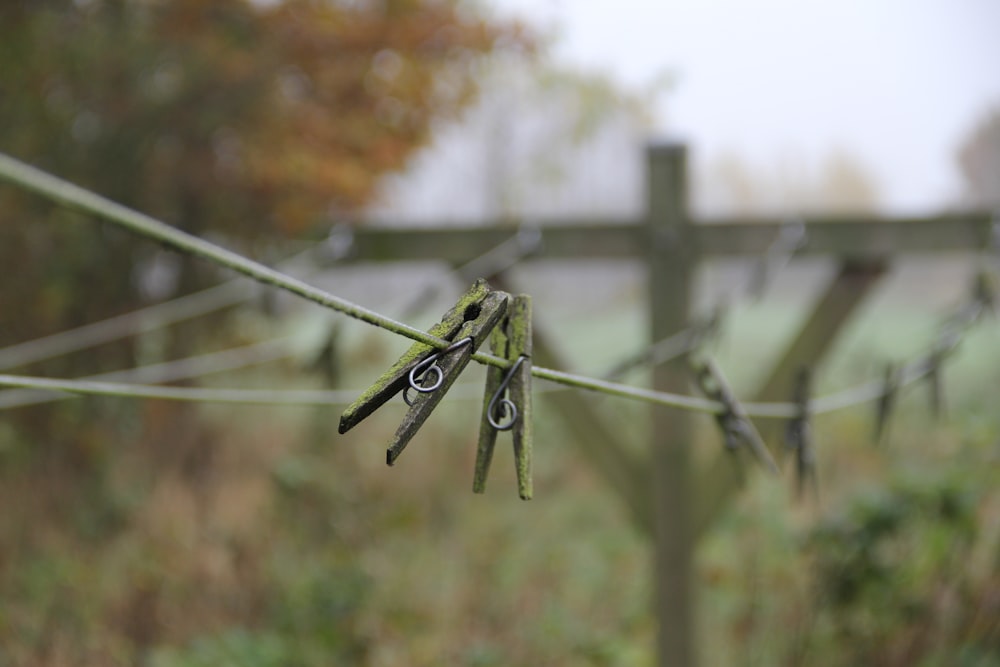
point(256, 122)
point(893, 573)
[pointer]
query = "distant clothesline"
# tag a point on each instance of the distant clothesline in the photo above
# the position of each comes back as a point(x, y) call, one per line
point(72, 196)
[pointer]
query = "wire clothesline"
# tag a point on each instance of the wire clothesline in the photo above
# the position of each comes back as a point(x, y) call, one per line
point(499, 258)
point(96, 385)
point(155, 316)
point(524, 242)
point(75, 197)
point(294, 397)
point(235, 292)
point(169, 371)
point(790, 239)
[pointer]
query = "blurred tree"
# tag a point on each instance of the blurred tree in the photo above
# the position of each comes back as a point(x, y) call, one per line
point(256, 120)
point(538, 142)
point(846, 186)
point(248, 119)
point(841, 183)
point(979, 159)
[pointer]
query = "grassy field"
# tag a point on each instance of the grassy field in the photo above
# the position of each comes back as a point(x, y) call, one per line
point(258, 537)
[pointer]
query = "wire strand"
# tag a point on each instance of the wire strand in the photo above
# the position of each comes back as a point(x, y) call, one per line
point(56, 389)
point(779, 253)
point(75, 197)
point(132, 323)
point(48, 389)
point(498, 258)
point(193, 394)
point(170, 371)
point(143, 320)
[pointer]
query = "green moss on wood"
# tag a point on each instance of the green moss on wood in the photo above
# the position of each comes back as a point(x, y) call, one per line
point(488, 434)
point(520, 332)
point(392, 380)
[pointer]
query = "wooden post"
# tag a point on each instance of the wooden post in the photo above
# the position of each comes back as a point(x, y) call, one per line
point(845, 294)
point(672, 262)
point(594, 436)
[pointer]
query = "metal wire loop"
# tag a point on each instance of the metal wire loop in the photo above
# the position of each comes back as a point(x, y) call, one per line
point(506, 415)
point(501, 411)
point(418, 374)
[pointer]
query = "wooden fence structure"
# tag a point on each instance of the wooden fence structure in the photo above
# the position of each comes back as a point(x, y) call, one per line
point(669, 498)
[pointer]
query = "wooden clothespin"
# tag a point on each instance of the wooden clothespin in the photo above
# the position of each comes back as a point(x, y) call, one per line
point(431, 371)
point(886, 402)
point(512, 341)
point(984, 290)
point(326, 361)
point(798, 435)
point(982, 301)
point(733, 420)
point(791, 238)
point(935, 381)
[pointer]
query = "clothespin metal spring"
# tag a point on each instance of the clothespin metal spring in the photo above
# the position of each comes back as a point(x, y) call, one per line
point(501, 407)
point(418, 374)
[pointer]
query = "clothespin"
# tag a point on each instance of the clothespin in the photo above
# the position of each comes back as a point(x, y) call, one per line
point(326, 360)
point(791, 238)
point(935, 383)
point(886, 402)
point(512, 341)
point(984, 290)
point(733, 420)
point(982, 300)
point(798, 434)
point(429, 371)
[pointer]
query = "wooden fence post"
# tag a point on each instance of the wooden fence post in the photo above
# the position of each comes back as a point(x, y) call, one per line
point(672, 261)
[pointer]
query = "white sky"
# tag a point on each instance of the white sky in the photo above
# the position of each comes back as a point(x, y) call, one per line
point(895, 83)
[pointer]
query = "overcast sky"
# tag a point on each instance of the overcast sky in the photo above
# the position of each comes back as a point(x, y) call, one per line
point(895, 83)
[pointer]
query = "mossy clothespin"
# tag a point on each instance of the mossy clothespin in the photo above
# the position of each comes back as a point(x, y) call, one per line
point(429, 371)
point(449, 363)
point(732, 419)
point(886, 402)
point(935, 381)
point(396, 378)
point(984, 290)
point(791, 238)
point(512, 341)
point(326, 360)
point(798, 435)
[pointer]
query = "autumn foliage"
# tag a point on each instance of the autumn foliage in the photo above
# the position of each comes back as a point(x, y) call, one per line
point(248, 121)
point(255, 120)
point(243, 116)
